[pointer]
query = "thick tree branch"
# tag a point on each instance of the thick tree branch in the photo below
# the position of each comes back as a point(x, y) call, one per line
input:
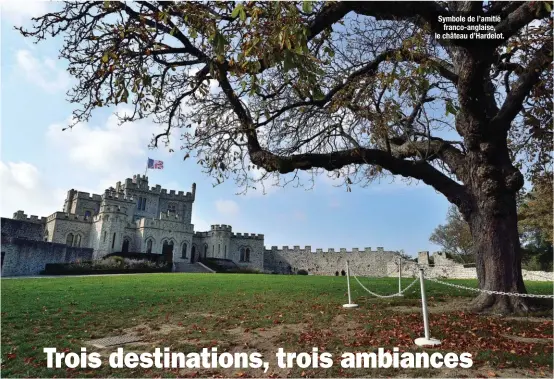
point(518, 18)
point(519, 92)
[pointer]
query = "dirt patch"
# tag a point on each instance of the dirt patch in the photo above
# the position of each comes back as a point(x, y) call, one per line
point(264, 341)
point(527, 339)
point(443, 307)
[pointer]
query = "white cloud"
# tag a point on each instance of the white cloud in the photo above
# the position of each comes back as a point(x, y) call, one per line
point(22, 185)
point(200, 224)
point(227, 207)
point(19, 12)
point(44, 74)
point(111, 150)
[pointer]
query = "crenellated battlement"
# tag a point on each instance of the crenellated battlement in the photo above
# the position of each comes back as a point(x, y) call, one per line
point(68, 216)
point(118, 196)
point(170, 216)
point(222, 228)
point(20, 215)
point(140, 183)
point(308, 250)
point(248, 235)
point(88, 196)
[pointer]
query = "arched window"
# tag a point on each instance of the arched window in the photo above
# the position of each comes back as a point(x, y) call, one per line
point(218, 249)
point(125, 246)
point(225, 251)
point(143, 203)
point(105, 236)
point(247, 255)
point(69, 239)
point(77, 241)
point(242, 254)
point(343, 273)
point(149, 247)
point(87, 215)
point(184, 251)
point(113, 241)
point(205, 250)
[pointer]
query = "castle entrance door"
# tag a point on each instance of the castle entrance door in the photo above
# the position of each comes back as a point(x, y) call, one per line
point(167, 251)
point(193, 257)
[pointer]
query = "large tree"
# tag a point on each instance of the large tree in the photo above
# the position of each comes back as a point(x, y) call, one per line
point(357, 89)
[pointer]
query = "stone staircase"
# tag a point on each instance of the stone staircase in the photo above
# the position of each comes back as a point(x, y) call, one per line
point(191, 267)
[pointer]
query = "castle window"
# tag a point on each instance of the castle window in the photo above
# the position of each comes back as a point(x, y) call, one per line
point(225, 250)
point(171, 207)
point(149, 247)
point(125, 246)
point(77, 241)
point(105, 236)
point(87, 215)
point(205, 250)
point(139, 203)
point(69, 239)
point(143, 203)
point(218, 249)
point(113, 241)
point(45, 235)
point(245, 254)
point(184, 251)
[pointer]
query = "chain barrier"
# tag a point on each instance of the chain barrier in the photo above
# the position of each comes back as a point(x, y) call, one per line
point(516, 294)
point(385, 296)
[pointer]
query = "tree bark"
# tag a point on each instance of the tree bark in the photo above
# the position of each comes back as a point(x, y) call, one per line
point(498, 258)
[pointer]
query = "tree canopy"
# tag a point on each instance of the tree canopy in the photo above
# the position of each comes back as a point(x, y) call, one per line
point(356, 87)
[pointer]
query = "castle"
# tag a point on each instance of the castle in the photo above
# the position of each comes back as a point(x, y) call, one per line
point(133, 217)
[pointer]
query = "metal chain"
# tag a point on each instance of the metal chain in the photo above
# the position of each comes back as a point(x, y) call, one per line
point(385, 296)
point(489, 291)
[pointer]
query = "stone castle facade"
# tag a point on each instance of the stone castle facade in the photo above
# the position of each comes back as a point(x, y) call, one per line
point(134, 217)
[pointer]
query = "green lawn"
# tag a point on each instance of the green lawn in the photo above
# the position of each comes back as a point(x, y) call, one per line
point(240, 312)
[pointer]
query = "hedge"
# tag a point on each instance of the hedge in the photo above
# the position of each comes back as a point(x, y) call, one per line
point(72, 269)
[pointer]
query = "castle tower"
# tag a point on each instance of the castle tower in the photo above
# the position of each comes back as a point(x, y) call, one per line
point(115, 212)
point(219, 244)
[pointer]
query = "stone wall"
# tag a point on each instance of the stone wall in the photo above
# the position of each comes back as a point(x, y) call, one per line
point(23, 229)
point(26, 257)
point(365, 262)
point(445, 268)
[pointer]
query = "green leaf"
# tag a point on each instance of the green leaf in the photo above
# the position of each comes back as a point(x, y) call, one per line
point(450, 108)
point(242, 15)
point(307, 7)
point(236, 11)
point(105, 58)
point(288, 63)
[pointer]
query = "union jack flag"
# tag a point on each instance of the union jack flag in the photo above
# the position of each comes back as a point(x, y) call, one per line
point(152, 163)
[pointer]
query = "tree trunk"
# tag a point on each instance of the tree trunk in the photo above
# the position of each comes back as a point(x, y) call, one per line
point(498, 257)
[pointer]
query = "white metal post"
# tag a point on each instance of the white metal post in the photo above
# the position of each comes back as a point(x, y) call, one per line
point(399, 276)
point(427, 340)
point(349, 305)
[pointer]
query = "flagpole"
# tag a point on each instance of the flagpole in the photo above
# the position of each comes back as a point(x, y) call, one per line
point(145, 170)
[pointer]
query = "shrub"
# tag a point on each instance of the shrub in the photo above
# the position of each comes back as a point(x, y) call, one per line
point(111, 265)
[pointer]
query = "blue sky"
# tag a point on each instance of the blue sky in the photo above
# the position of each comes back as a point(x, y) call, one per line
point(39, 163)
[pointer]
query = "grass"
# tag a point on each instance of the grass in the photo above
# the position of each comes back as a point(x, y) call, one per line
point(241, 312)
